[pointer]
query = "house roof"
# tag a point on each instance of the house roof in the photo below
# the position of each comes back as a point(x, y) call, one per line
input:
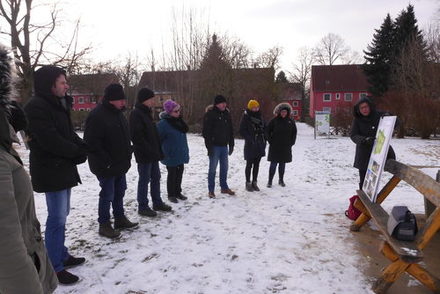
point(346, 77)
point(91, 83)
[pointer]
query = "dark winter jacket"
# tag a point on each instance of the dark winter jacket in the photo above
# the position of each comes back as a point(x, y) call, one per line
point(172, 133)
point(108, 137)
point(252, 129)
point(143, 133)
point(364, 127)
point(281, 135)
point(55, 148)
point(24, 264)
point(217, 128)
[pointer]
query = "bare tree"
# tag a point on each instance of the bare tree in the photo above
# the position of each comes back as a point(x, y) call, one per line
point(432, 37)
point(331, 49)
point(303, 67)
point(270, 58)
point(30, 40)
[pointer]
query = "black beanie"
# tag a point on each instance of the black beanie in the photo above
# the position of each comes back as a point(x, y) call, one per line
point(114, 92)
point(44, 79)
point(219, 99)
point(144, 94)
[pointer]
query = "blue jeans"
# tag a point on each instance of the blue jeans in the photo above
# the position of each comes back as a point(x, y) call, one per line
point(148, 172)
point(112, 193)
point(219, 153)
point(58, 207)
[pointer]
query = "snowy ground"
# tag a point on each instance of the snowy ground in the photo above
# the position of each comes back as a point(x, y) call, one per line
point(280, 240)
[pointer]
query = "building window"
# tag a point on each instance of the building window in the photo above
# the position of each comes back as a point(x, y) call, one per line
point(362, 95)
point(295, 112)
point(295, 103)
point(348, 96)
point(81, 109)
point(81, 100)
point(338, 96)
point(327, 109)
point(327, 97)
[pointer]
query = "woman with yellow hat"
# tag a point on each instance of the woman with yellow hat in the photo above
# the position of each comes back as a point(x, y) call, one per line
point(252, 130)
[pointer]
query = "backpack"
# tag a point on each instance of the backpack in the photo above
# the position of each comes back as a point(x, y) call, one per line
point(402, 224)
point(352, 212)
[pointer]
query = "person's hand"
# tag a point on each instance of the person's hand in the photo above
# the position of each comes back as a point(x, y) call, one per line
point(231, 149)
point(369, 140)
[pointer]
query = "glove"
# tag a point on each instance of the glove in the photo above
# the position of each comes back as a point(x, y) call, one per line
point(369, 141)
point(231, 149)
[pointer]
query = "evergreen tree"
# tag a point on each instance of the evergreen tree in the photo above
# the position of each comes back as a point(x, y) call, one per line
point(281, 77)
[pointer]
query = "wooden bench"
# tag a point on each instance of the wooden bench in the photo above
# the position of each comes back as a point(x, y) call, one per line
point(404, 256)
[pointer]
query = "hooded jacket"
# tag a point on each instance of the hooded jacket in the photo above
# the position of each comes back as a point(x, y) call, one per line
point(24, 264)
point(55, 148)
point(217, 128)
point(362, 128)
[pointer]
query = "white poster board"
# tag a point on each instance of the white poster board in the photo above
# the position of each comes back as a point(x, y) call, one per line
point(378, 156)
point(322, 123)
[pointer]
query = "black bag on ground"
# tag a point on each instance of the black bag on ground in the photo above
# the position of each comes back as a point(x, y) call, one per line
point(402, 224)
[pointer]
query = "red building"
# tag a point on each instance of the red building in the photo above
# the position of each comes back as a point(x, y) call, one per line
point(87, 90)
point(334, 86)
point(292, 93)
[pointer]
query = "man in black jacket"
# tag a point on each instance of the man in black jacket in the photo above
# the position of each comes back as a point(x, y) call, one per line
point(218, 134)
point(148, 152)
point(109, 144)
point(55, 150)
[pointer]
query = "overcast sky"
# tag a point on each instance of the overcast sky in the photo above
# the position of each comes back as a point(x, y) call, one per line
point(116, 27)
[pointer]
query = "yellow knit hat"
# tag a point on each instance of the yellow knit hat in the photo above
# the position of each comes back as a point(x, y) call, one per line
point(253, 104)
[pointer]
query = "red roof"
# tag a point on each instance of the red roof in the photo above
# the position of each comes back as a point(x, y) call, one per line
point(346, 77)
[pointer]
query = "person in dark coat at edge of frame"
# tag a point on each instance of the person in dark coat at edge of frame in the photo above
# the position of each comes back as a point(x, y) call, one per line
point(55, 152)
point(363, 133)
point(106, 133)
point(218, 134)
point(281, 135)
point(172, 132)
point(252, 129)
point(148, 152)
point(24, 264)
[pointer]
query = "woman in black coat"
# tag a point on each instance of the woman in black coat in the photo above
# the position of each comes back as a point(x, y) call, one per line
point(363, 134)
point(252, 130)
point(281, 135)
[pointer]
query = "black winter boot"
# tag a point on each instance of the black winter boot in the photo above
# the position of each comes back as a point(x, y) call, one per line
point(66, 278)
point(281, 182)
point(123, 223)
point(106, 230)
point(73, 261)
point(254, 186)
point(147, 212)
point(249, 187)
point(162, 207)
point(181, 197)
point(172, 199)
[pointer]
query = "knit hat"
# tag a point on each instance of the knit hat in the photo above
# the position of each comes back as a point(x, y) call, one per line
point(170, 106)
point(253, 104)
point(219, 99)
point(144, 94)
point(45, 78)
point(114, 92)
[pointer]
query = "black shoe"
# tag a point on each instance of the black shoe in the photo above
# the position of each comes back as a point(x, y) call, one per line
point(147, 212)
point(106, 230)
point(249, 187)
point(66, 278)
point(123, 223)
point(254, 186)
point(281, 182)
point(181, 197)
point(269, 184)
point(73, 261)
point(162, 207)
point(173, 199)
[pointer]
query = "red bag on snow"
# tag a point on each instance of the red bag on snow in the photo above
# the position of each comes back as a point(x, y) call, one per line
point(352, 212)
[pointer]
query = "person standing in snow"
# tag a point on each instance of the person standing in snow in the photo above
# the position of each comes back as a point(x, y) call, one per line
point(24, 264)
point(218, 134)
point(55, 151)
point(252, 129)
point(363, 133)
point(107, 134)
point(281, 135)
point(147, 152)
point(172, 132)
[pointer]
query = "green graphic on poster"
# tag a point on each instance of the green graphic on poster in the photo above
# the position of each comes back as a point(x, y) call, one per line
point(380, 140)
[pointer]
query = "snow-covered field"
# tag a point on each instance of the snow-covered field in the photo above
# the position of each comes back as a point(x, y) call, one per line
point(280, 240)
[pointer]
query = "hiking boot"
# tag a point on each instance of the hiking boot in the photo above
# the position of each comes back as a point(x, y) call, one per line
point(269, 184)
point(181, 197)
point(147, 212)
point(228, 191)
point(254, 186)
point(123, 223)
point(281, 182)
point(173, 199)
point(211, 195)
point(249, 187)
point(73, 261)
point(106, 230)
point(66, 278)
point(162, 207)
